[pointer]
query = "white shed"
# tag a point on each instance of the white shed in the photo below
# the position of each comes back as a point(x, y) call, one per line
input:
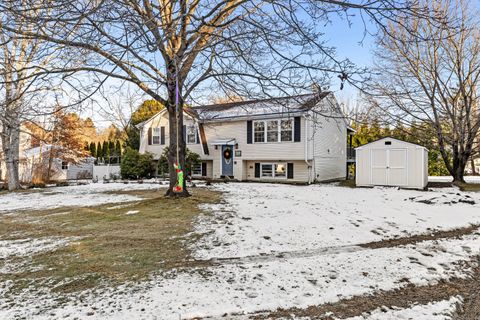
point(392, 162)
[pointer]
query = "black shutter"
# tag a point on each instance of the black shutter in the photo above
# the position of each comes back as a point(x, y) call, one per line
point(289, 170)
point(249, 131)
point(297, 133)
point(184, 134)
point(204, 169)
point(198, 137)
point(149, 136)
point(162, 135)
point(257, 170)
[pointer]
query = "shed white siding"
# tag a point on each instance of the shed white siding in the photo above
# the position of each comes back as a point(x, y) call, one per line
point(392, 162)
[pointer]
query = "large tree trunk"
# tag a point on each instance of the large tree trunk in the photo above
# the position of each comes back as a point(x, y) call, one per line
point(472, 164)
point(172, 155)
point(11, 149)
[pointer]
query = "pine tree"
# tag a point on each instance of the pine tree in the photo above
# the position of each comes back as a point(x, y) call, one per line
point(99, 151)
point(93, 149)
point(106, 151)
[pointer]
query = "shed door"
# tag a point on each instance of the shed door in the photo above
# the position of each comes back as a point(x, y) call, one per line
point(379, 167)
point(397, 168)
point(389, 167)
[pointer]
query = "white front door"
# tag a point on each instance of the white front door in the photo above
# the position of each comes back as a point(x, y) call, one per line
point(389, 167)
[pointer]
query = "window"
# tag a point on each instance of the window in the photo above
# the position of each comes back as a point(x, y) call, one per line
point(267, 171)
point(64, 165)
point(273, 170)
point(197, 170)
point(286, 130)
point(259, 131)
point(280, 171)
point(156, 136)
point(191, 134)
point(273, 131)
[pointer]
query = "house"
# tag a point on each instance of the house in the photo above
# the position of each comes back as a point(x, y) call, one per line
point(36, 161)
point(293, 139)
point(392, 162)
point(26, 142)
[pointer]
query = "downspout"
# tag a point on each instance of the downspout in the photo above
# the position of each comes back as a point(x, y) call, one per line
point(309, 165)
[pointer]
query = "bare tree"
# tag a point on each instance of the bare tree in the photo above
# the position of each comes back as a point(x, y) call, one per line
point(435, 81)
point(175, 50)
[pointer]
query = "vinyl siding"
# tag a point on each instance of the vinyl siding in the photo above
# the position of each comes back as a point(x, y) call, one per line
point(328, 147)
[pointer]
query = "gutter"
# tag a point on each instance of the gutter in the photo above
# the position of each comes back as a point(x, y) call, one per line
point(306, 149)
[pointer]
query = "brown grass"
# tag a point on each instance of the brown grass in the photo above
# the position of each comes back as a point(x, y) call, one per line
point(114, 247)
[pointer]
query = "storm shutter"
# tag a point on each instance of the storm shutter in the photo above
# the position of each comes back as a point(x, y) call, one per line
point(289, 170)
point(297, 130)
point(184, 134)
point(149, 136)
point(204, 169)
point(249, 131)
point(198, 137)
point(162, 135)
point(257, 170)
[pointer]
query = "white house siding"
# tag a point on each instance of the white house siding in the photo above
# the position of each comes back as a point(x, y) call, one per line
point(328, 148)
point(82, 170)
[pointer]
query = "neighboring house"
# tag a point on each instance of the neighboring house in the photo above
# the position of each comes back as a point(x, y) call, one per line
point(36, 160)
point(294, 139)
point(26, 142)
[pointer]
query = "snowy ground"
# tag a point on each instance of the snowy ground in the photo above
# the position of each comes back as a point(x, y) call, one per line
point(72, 196)
point(281, 246)
point(468, 179)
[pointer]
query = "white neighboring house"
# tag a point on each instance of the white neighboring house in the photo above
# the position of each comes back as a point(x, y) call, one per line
point(25, 143)
point(293, 139)
point(38, 157)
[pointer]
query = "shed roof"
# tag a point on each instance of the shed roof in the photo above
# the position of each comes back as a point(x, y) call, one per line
point(391, 138)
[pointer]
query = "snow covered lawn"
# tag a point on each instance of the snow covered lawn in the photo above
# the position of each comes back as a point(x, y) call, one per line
point(271, 250)
point(72, 196)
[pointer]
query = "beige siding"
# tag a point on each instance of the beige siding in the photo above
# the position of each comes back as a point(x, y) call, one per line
point(161, 120)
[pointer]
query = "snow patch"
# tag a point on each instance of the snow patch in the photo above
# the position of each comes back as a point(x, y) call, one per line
point(440, 310)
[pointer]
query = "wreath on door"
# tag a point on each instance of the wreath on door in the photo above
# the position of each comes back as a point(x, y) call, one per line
point(227, 154)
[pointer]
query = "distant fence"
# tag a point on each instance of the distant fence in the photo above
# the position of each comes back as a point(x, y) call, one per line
point(106, 171)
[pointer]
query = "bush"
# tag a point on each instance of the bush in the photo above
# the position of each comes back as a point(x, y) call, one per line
point(135, 165)
point(191, 159)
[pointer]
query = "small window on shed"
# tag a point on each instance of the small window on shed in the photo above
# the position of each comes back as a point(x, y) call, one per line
point(388, 143)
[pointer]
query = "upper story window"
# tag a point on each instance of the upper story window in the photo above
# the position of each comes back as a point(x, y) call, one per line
point(273, 130)
point(191, 134)
point(64, 165)
point(259, 131)
point(156, 136)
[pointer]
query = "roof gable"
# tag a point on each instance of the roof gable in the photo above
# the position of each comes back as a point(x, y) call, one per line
point(390, 138)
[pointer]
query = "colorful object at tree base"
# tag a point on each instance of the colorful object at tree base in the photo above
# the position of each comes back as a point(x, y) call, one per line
point(179, 185)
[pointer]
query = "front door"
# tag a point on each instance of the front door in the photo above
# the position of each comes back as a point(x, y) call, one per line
point(227, 161)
